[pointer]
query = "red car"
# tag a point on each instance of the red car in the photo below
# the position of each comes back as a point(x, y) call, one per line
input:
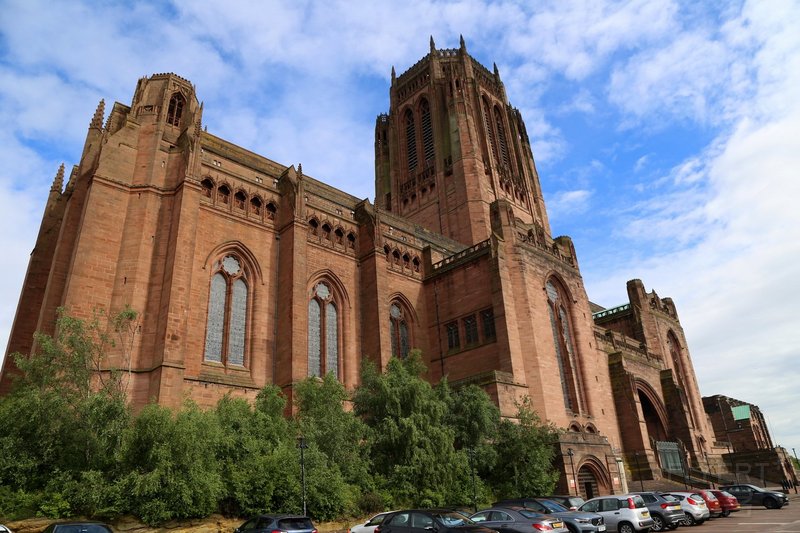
point(712, 502)
point(727, 501)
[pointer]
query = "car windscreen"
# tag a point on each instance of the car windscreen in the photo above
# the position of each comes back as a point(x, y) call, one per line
point(670, 498)
point(294, 524)
point(527, 513)
point(452, 518)
point(553, 507)
point(83, 528)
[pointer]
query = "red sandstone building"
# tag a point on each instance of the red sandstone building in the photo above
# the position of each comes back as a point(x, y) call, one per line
point(248, 272)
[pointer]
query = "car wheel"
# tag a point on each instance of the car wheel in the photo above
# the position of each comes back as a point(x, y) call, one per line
point(726, 514)
point(658, 523)
point(770, 503)
point(625, 528)
point(572, 529)
point(690, 521)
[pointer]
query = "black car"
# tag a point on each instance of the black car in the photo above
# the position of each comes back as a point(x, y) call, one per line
point(285, 523)
point(78, 527)
point(665, 511)
point(752, 495)
point(427, 520)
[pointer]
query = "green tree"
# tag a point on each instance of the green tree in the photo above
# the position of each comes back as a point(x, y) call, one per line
point(172, 470)
point(249, 438)
point(63, 420)
point(524, 455)
point(412, 444)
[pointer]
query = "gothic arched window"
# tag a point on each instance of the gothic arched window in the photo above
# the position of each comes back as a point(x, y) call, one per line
point(565, 349)
point(487, 123)
point(427, 132)
point(323, 332)
point(401, 340)
point(411, 142)
point(501, 136)
point(227, 313)
point(175, 109)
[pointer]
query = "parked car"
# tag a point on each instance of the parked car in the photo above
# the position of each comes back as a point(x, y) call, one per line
point(517, 519)
point(423, 520)
point(370, 525)
point(623, 513)
point(666, 514)
point(752, 495)
point(727, 501)
point(78, 527)
point(712, 503)
point(285, 523)
point(576, 521)
point(694, 507)
point(570, 502)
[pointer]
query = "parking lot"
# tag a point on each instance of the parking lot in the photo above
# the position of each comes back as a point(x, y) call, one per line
point(756, 520)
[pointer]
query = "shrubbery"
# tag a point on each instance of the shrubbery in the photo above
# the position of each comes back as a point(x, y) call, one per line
point(72, 448)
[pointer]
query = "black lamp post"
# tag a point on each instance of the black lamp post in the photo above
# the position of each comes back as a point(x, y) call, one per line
point(638, 470)
point(471, 454)
point(301, 443)
point(571, 454)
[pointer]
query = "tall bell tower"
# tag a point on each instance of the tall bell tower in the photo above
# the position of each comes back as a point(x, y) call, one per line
point(451, 145)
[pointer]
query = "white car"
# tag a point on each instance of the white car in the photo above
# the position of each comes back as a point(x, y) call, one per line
point(4, 529)
point(370, 525)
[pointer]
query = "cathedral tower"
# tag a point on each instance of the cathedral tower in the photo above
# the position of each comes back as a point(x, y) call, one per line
point(451, 145)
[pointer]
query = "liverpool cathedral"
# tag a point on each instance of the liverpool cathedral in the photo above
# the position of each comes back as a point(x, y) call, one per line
point(247, 272)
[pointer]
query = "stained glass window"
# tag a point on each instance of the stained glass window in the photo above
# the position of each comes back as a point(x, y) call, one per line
point(323, 332)
point(237, 323)
point(314, 347)
point(226, 325)
point(216, 318)
point(401, 343)
point(411, 142)
point(487, 318)
point(565, 349)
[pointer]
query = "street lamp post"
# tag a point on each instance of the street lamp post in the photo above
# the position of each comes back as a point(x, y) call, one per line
point(471, 453)
point(638, 470)
point(301, 443)
point(571, 454)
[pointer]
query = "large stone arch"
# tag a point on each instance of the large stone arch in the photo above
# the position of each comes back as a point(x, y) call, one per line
point(593, 478)
point(653, 410)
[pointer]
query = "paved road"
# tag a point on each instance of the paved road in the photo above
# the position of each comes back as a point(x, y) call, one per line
point(754, 520)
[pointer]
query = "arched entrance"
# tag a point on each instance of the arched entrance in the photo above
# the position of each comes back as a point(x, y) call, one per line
point(593, 480)
point(653, 412)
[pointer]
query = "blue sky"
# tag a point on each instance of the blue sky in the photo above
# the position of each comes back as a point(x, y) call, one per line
point(666, 134)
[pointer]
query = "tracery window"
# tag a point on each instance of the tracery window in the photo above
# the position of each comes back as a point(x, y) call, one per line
point(471, 330)
point(565, 351)
point(227, 313)
point(223, 194)
point(401, 342)
point(175, 109)
point(411, 142)
point(487, 123)
point(323, 332)
point(453, 342)
point(208, 187)
point(501, 136)
point(427, 132)
point(487, 320)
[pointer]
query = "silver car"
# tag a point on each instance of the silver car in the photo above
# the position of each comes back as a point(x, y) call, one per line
point(623, 513)
point(370, 525)
point(694, 507)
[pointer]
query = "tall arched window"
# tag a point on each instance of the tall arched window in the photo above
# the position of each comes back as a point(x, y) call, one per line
point(227, 313)
point(175, 109)
point(323, 332)
point(487, 123)
point(427, 132)
point(565, 351)
point(411, 142)
point(401, 340)
point(501, 136)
